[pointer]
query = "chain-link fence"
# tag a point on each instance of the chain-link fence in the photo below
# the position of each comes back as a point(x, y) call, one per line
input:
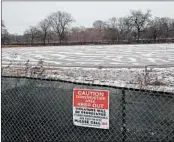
point(37, 102)
point(40, 110)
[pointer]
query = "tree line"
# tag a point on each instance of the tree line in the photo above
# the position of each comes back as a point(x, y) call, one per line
point(137, 26)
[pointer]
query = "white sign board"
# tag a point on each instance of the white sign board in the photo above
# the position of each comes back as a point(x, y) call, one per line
point(91, 108)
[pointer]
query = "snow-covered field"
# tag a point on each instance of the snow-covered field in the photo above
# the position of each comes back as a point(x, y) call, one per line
point(95, 55)
point(125, 63)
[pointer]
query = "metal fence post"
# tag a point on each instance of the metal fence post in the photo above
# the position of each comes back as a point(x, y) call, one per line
point(123, 104)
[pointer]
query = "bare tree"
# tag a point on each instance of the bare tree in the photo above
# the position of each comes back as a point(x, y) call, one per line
point(113, 23)
point(50, 35)
point(128, 27)
point(75, 33)
point(165, 26)
point(26, 36)
point(4, 33)
point(172, 29)
point(2, 24)
point(32, 33)
point(15, 38)
point(139, 21)
point(153, 31)
point(59, 22)
point(98, 24)
point(100, 27)
point(111, 29)
point(83, 34)
point(44, 28)
point(122, 28)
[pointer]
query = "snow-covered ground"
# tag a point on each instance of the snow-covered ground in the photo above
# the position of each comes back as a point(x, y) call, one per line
point(94, 55)
point(125, 63)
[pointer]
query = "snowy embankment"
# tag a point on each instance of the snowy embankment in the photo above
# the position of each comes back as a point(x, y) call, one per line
point(153, 79)
point(158, 79)
point(123, 64)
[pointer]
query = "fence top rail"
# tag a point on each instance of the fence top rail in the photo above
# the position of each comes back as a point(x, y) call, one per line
point(155, 93)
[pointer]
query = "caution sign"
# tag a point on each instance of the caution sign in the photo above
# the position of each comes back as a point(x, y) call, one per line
point(91, 108)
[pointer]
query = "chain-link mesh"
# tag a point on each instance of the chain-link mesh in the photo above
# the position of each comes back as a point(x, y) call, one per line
point(40, 110)
point(37, 102)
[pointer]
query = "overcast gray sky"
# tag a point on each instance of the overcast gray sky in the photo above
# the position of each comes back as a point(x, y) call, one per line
point(18, 16)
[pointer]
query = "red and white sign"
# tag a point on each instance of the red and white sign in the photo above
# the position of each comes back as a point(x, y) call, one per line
point(91, 108)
